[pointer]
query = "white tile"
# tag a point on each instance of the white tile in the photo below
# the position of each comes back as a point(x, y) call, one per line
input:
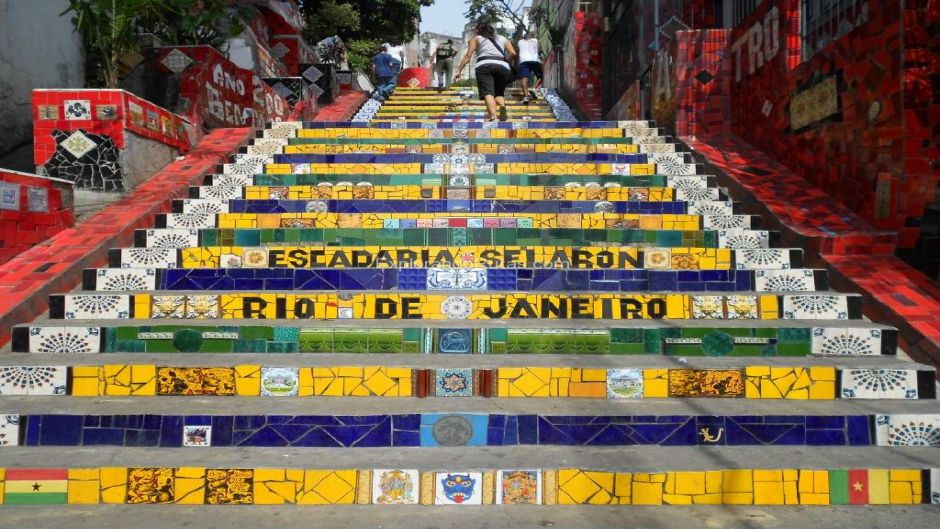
point(9, 430)
point(65, 340)
point(846, 341)
point(458, 488)
point(125, 279)
point(815, 307)
point(907, 430)
point(395, 486)
point(220, 192)
point(794, 280)
point(878, 383)
point(280, 381)
point(76, 109)
point(743, 239)
point(211, 206)
point(172, 238)
point(726, 222)
point(687, 182)
point(78, 144)
point(33, 380)
point(202, 307)
point(190, 220)
point(456, 279)
point(624, 383)
point(267, 146)
point(197, 435)
point(698, 194)
point(714, 207)
point(649, 147)
point(149, 258)
point(97, 306)
point(762, 259)
point(935, 486)
point(232, 180)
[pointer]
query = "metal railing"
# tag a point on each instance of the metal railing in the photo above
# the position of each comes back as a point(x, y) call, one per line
point(824, 21)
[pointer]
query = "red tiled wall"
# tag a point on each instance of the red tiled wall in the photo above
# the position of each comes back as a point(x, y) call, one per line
point(583, 66)
point(20, 230)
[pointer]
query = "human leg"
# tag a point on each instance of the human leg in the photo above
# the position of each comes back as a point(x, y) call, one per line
point(486, 86)
point(501, 79)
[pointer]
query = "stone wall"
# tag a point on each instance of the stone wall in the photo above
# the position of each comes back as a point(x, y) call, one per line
point(38, 49)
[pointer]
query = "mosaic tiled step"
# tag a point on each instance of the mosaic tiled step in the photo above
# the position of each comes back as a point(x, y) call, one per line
point(187, 485)
point(593, 181)
point(757, 241)
point(353, 127)
point(759, 382)
point(461, 131)
point(371, 167)
point(463, 279)
point(455, 306)
point(449, 143)
point(444, 219)
point(404, 430)
point(691, 339)
point(672, 160)
point(554, 257)
point(361, 191)
point(517, 146)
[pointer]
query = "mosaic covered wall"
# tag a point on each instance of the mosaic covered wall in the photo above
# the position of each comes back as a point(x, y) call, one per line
point(32, 209)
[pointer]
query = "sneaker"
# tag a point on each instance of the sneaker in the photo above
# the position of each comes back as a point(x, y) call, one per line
point(503, 114)
point(526, 100)
point(532, 94)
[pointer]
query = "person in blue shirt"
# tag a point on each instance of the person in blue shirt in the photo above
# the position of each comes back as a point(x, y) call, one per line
point(386, 69)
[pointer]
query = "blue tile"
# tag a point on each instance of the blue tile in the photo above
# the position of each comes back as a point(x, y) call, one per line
point(145, 438)
point(103, 436)
point(60, 430)
point(171, 431)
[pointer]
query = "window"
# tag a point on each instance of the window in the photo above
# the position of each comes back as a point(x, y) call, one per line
point(824, 21)
point(740, 9)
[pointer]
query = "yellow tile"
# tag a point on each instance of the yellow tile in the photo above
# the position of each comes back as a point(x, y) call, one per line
point(768, 492)
point(271, 487)
point(737, 498)
point(737, 481)
point(824, 390)
point(904, 475)
point(85, 381)
point(248, 380)
point(329, 487)
point(647, 494)
point(189, 486)
point(113, 484)
point(690, 482)
point(768, 475)
point(84, 486)
point(814, 499)
point(707, 499)
point(655, 383)
point(900, 493)
point(791, 495)
point(822, 373)
point(144, 379)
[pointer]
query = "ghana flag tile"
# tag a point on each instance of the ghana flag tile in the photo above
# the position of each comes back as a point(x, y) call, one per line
point(35, 486)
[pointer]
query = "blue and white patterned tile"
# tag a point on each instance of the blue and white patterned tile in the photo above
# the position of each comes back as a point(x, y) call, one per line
point(267, 146)
point(743, 239)
point(56, 340)
point(9, 430)
point(935, 486)
point(172, 238)
point(846, 341)
point(762, 259)
point(33, 380)
point(190, 220)
point(718, 208)
point(149, 258)
point(125, 279)
point(878, 383)
point(97, 306)
point(232, 180)
point(698, 194)
point(727, 222)
point(219, 192)
point(907, 430)
point(815, 307)
point(209, 206)
point(793, 280)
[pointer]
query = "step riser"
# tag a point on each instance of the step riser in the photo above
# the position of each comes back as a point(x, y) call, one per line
point(752, 382)
point(421, 430)
point(402, 486)
point(670, 341)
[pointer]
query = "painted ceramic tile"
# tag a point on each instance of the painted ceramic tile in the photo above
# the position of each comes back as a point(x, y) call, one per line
point(77, 109)
point(96, 306)
point(514, 487)
point(200, 435)
point(727, 222)
point(935, 486)
point(208, 206)
point(840, 341)
point(279, 381)
point(190, 220)
point(9, 196)
point(879, 383)
point(9, 430)
point(624, 383)
point(37, 199)
point(907, 430)
point(229, 486)
point(455, 341)
point(742, 239)
point(167, 307)
point(706, 383)
point(458, 488)
point(453, 382)
point(815, 307)
point(172, 238)
point(762, 259)
point(125, 279)
point(394, 487)
point(148, 258)
point(799, 280)
point(456, 307)
point(196, 381)
point(202, 307)
point(64, 340)
point(149, 485)
point(33, 380)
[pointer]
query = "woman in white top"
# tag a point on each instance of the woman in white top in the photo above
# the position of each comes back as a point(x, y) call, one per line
point(493, 53)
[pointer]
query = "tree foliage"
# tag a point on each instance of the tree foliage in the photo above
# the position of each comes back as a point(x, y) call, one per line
point(394, 21)
point(499, 12)
point(110, 28)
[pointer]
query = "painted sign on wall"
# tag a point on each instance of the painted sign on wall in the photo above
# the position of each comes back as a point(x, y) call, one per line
point(758, 45)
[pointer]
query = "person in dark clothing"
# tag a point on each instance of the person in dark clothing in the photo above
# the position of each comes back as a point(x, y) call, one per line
point(443, 64)
point(386, 69)
point(493, 53)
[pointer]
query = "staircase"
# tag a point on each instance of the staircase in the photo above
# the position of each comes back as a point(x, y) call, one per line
point(418, 307)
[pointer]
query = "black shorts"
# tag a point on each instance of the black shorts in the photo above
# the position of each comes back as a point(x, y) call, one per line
point(529, 68)
point(492, 80)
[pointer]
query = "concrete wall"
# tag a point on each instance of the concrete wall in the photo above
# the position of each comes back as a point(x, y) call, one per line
point(38, 49)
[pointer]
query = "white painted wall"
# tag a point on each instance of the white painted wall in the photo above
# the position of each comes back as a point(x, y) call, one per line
point(38, 49)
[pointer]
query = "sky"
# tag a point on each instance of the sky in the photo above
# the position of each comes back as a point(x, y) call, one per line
point(446, 16)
